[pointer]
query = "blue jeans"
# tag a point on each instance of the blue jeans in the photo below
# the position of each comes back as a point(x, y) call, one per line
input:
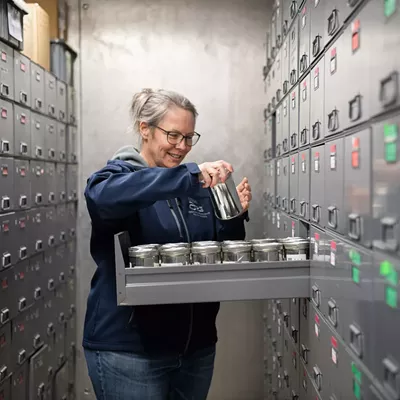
point(126, 376)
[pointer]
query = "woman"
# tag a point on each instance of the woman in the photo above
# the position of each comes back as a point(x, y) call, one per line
point(164, 351)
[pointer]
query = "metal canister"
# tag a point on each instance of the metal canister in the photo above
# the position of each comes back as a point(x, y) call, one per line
point(175, 255)
point(266, 240)
point(236, 251)
point(296, 249)
point(272, 251)
point(208, 252)
point(144, 256)
point(179, 244)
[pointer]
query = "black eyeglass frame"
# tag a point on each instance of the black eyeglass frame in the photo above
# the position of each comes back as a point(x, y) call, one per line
point(183, 137)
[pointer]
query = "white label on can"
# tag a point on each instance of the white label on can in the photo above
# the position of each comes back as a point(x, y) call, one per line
point(316, 330)
point(172, 264)
point(296, 257)
point(316, 247)
point(333, 258)
point(333, 161)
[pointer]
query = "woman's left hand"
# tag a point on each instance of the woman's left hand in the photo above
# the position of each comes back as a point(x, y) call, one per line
point(244, 192)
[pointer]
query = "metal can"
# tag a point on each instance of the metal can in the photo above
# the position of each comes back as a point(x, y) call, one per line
point(266, 240)
point(236, 251)
point(296, 249)
point(272, 251)
point(174, 255)
point(207, 252)
point(144, 256)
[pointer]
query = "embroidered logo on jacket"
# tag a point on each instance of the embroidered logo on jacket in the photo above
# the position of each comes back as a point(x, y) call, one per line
point(197, 209)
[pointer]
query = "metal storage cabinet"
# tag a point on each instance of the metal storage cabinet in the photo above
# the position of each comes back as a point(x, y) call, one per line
point(270, 170)
point(285, 125)
point(284, 184)
point(317, 183)
point(6, 71)
point(5, 334)
point(22, 79)
point(334, 18)
point(278, 197)
point(357, 193)
point(304, 111)
point(278, 77)
point(72, 182)
point(23, 227)
point(71, 144)
point(22, 132)
point(37, 88)
point(6, 127)
point(268, 138)
point(294, 184)
point(294, 53)
point(61, 183)
point(386, 365)
point(50, 139)
point(304, 37)
point(383, 17)
point(317, 29)
point(5, 388)
point(304, 184)
point(317, 98)
point(61, 142)
point(386, 184)
point(286, 18)
point(71, 105)
point(278, 130)
point(356, 58)
point(37, 219)
point(278, 22)
point(51, 227)
point(336, 75)
point(6, 184)
point(333, 212)
point(294, 118)
point(51, 182)
point(40, 376)
point(38, 134)
point(62, 101)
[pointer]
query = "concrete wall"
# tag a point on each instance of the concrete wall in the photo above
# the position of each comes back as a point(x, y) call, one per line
point(211, 51)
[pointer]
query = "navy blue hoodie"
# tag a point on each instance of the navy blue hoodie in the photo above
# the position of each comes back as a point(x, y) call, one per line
point(155, 205)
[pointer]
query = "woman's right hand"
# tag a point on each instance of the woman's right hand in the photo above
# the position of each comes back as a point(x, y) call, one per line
point(214, 172)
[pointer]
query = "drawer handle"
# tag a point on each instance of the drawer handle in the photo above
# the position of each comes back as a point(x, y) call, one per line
point(292, 205)
point(293, 9)
point(52, 197)
point(285, 145)
point(23, 97)
point(355, 111)
point(389, 239)
point(315, 213)
point(39, 245)
point(303, 136)
point(5, 90)
point(389, 89)
point(391, 372)
point(333, 120)
point(5, 146)
point(285, 87)
point(39, 152)
point(23, 149)
point(316, 45)
point(354, 226)
point(50, 285)
point(52, 154)
point(332, 313)
point(23, 253)
point(52, 241)
point(316, 130)
point(52, 110)
point(316, 295)
point(333, 22)
point(302, 208)
point(6, 260)
point(21, 356)
point(3, 372)
point(278, 150)
point(303, 63)
point(278, 95)
point(293, 77)
point(5, 203)
point(38, 293)
point(62, 236)
point(356, 342)
point(293, 140)
point(304, 352)
point(61, 278)
point(4, 315)
point(22, 304)
point(317, 378)
point(294, 334)
point(38, 198)
point(333, 217)
point(39, 104)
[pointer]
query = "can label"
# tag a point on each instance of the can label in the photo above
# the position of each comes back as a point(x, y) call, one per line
point(296, 257)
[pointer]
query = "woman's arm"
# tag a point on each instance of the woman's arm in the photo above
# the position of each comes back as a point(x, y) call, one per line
point(120, 189)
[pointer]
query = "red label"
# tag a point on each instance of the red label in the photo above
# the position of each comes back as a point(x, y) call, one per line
point(334, 342)
point(293, 95)
point(3, 56)
point(305, 84)
point(3, 340)
point(22, 223)
point(4, 170)
point(23, 67)
point(317, 155)
point(304, 10)
point(21, 378)
point(316, 71)
point(22, 275)
point(333, 245)
point(333, 148)
point(3, 113)
point(303, 157)
point(4, 283)
point(23, 119)
point(22, 171)
point(355, 159)
point(355, 26)
point(293, 160)
point(5, 227)
point(355, 143)
point(317, 319)
point(21, 327)
point(316, 235)
point(333, 52)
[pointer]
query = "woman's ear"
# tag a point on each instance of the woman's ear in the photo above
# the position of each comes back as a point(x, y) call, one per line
point(144, 130)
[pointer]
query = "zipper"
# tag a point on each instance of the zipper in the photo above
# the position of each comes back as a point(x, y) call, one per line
point(178, 203)
point(189, 337)
point(175, 218)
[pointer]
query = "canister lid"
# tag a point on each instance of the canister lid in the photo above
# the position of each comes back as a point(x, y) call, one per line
point(265, 240)
point(179, 244)
point(143, 251)
point(296, 244)
point(236, 246)
point(229, 242)
point(168, 250)
point(267, 247)
point(205, 247)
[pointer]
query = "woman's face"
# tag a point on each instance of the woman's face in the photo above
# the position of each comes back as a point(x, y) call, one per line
point(156, 149)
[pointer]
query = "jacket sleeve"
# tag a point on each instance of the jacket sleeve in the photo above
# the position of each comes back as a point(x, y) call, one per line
point(232, 229)
point(120, 189)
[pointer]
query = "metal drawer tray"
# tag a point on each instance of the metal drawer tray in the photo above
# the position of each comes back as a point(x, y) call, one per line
point(209, 283)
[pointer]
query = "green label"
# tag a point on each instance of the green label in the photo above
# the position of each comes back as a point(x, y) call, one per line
point(355, 257)
point(391, 297)
point(357, 390)
point(390, 7)
point(391, 152)
point(355, 272)
point(356, 373)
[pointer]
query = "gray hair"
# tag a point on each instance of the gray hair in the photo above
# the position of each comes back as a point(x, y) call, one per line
point(152, 105)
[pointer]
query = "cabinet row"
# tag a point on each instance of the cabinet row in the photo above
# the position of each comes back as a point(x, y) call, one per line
point(25, 184)
point(28, 84)
point(36, 278)
point(26, 233)
point(363, 63)
point(320, 366)
point(349, 185)
point(25, 133)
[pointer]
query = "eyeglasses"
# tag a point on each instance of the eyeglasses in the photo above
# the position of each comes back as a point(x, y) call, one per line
point(177, 137)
